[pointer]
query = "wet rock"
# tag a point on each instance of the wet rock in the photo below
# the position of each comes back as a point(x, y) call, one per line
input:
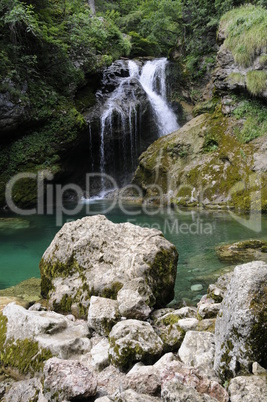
point(243, 251)
point(68, 380)
point(13, 113)
point(71, 266)
point(197, 350)
point(103, 314)
point(241, 325)
point(144, 379)
point(132, 341)
point(248, 388)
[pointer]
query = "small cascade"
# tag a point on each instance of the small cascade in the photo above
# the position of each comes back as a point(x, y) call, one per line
point(127, 87)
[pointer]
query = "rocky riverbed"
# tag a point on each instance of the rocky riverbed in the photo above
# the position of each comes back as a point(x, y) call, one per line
point(128, 345)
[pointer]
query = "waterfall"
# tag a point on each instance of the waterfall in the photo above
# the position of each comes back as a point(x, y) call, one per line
point(120, 121)
point(153, 81)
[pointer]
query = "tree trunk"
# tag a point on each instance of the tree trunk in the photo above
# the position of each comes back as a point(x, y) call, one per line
point(92, 5)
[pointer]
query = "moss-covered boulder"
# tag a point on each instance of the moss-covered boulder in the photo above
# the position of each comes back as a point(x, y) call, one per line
point(240, 332)
point(95, 257)
point(243, 251)
point(132, 341)
point(170, 332)
point(28, 338)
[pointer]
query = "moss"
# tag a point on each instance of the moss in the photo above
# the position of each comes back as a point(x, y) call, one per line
point(112, 291)
point(205, 107)
point(24, 355)
point(163, 271)
point(256, 82)
point(236, 78)
point(170, 319)
point(257, 340)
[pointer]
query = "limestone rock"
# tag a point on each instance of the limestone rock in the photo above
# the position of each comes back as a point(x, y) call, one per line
point(5, 300)
point(54, 332)
point(188, 324)
point(241, 325)
point(23, 324)
point(175, 391)
point(111, 381)
point(135, 299)
point(99, 354)
point(168, 329)
point(25, 391)
point(93, 256)
point(132, 396)
point(68, 380)
point(197, 350)
point(248, 388)
point(103, 314)
point(144, 379)
point(208, 310)
point(132, 341)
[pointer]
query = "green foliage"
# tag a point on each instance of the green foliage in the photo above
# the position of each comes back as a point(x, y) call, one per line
point(255, 114)
point(245, 29)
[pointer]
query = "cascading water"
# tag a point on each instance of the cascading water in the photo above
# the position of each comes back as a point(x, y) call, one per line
point(120, 121)
point(153, 80)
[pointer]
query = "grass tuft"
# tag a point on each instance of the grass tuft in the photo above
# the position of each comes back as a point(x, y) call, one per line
point(256, 82)
point(246, 33)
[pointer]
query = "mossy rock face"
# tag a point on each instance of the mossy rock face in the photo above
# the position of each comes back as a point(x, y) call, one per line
point(241, 61)
point(132, 341)
point(25, 356)
point(243, 251)
point(95, 257)
point(167, 327)
point(203, 163)
point(240, 329)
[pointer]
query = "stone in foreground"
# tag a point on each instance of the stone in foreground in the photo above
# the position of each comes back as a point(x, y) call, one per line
point(132, 341)
point(68, 380)
point(93, 256)
point(248, 388)
point(241, 326)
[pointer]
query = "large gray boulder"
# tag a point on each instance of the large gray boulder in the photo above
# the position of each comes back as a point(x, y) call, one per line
point(93, 256)
point(241, 326)
point(68, 380)
point(132, 341)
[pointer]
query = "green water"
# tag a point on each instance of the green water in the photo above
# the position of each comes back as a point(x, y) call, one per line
point(21, 248)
